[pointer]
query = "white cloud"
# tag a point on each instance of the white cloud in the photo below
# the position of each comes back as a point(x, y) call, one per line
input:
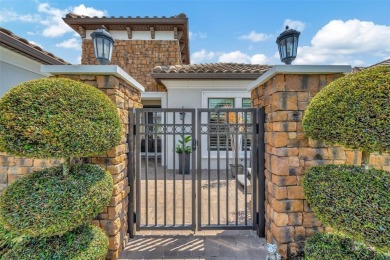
point(72, 43)
point(202, 56)
point(255, 37)
point(235, 57)
point(50, 17)
point(11, 16)
point(259, 59)
point(35, 43)
point(88, 11)
point(294, 24)
point(53, 23)
point(338, 42)
point(193, 36)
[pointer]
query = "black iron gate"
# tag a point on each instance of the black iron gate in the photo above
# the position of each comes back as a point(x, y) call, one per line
point(196, 169)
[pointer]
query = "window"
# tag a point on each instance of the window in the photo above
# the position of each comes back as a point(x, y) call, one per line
point(219, 141)
point(246, 103)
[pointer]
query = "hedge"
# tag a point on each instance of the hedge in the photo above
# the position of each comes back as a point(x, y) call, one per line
point(58, 118)
point(352, 200)
point(353, 111)
point(338, 247)
point(48, 203)
point(7, 240)
point(83, 243)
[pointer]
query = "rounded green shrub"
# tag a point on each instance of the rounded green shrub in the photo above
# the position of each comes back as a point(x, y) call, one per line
point(353, 111)
point(352, 200)
point(84, 243)
point(338, 247)
point(58, 118)
point(7, 240)
point(47, 203)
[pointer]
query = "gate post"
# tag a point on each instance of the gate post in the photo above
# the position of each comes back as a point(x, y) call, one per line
point(261, 170)
point(131, 174)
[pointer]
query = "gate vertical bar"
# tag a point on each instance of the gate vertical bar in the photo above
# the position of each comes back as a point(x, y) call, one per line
point(261, 176)
point(193, 169)
point(199, 169)
point(255, 168)
point(131, 173)
point(218, 170)
point(155, 127)
point(138, 170)
point(227, 129)
point(145, 117)
point(165, 167)
point(244, 137)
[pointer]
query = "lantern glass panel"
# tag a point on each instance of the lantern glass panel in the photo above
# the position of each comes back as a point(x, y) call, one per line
point(99, 47)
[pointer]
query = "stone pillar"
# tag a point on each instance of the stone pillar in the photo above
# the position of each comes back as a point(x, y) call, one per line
point(125, 92)
point(288, 153)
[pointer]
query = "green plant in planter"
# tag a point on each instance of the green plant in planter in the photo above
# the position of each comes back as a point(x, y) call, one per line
point(183, 142)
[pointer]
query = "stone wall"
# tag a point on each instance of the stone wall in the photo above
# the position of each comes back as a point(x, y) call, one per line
point(288, 153)
point(113, 220)
point(13, 167)
point(138, 58)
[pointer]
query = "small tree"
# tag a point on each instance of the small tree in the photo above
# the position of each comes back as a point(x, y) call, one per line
point(57, 118)
point(353, 111)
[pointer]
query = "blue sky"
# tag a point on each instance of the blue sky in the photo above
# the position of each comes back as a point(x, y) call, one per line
point(355, 32)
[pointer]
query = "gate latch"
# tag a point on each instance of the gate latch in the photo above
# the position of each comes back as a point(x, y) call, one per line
point(194, 144)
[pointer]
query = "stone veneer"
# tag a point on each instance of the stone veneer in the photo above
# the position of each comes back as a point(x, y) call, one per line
point(288, 153)
point(113, 220)
point(138, 58)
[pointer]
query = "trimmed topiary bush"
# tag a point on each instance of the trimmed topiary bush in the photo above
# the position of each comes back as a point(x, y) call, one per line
point(7, 240)
point(48, 203)
point(338, 247)
point(353, 111)
point(352, 200)
point(83, 243)
point(57, 118)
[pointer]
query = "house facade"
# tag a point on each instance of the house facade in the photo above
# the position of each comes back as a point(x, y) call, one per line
point(21, 61)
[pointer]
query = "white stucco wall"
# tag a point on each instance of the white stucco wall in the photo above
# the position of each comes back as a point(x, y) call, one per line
point(16, 68)
point(195, 94)
point(137, 35)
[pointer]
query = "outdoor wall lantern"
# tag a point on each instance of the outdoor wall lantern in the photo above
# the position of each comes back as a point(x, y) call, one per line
point(103, 44)
point(288, 45)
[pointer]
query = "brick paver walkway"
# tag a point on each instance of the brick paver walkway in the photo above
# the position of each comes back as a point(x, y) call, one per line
point(172, 201)
point(208, 244)
point(229, 244)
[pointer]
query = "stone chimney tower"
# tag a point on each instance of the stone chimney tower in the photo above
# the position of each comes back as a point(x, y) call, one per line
point(140, 43)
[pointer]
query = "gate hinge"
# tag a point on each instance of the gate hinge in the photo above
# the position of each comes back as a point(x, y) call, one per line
point(134, 129)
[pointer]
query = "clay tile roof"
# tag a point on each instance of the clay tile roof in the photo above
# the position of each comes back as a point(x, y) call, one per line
point(24, 47)
point(382, 63)
point(210, 71)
